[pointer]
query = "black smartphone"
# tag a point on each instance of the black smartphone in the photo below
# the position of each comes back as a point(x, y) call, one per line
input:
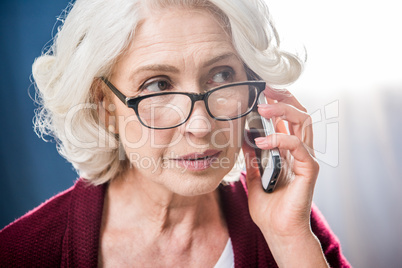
point(269, 161)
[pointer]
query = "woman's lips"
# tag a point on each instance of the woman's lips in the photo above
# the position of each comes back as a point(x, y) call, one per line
point(195, 156)
point(198, 161)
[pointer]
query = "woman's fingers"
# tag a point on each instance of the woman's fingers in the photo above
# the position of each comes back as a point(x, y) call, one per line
point(305, 165)
point(283, 96)
point(300, 123)
point(298, 141)
point(283, 110)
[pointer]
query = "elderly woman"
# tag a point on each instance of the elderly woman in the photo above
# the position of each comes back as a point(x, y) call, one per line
point(147, 99)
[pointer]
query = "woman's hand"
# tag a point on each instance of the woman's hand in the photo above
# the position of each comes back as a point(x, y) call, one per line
point(284, 215)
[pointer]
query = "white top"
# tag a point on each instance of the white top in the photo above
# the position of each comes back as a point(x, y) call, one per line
point(226, 260)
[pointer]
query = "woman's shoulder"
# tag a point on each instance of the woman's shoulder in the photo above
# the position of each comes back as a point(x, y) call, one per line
point(37, 235)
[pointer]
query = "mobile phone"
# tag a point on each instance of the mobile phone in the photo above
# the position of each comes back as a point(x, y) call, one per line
point(269, 161)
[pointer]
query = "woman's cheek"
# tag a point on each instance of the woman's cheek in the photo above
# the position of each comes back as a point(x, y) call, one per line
point(229, 134)
point(132, 134)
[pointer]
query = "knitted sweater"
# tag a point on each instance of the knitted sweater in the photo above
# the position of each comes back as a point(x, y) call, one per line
point(64, 231)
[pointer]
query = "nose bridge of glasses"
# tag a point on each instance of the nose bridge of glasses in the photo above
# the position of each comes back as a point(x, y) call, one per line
point(197, 96)
point(199, 121)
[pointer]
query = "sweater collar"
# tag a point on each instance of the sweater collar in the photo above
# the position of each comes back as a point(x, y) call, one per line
point(249, 246)
point(81, 241)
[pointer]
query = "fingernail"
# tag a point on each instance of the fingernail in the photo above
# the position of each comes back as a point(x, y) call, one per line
point(260, 140)
point(264, 106)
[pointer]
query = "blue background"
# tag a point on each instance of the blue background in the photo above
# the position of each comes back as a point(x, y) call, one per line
point(32, 170)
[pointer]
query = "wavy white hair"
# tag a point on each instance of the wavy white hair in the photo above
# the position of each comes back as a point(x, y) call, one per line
point(94, 34)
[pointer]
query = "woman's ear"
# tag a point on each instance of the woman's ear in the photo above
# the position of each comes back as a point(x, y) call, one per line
point(105, 107)
point(107, 116)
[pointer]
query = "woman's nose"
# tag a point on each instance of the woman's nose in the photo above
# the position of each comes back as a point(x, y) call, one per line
point(200, 122)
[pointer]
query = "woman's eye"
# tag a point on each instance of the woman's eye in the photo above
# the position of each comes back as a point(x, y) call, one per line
point(157, 86)
point(223, 77)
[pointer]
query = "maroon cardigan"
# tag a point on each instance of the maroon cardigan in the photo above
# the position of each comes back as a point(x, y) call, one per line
point(64, 231)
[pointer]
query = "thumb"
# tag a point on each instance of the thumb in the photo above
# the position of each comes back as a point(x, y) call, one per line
point(253, 177)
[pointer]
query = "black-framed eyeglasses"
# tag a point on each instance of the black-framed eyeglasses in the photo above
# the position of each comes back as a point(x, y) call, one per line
point(166, 110)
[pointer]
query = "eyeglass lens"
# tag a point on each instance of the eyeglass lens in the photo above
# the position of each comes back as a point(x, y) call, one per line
point(170, 110)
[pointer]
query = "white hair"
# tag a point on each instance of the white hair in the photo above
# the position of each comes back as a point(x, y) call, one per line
point(94, 34)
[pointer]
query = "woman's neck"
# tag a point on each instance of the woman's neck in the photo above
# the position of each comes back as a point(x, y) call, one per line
point(134, 202)
point(144, 223)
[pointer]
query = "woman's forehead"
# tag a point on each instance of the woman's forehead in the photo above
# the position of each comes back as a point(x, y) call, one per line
point(179, 34)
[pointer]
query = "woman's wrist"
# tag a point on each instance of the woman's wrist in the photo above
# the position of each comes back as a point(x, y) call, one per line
point(296, 251)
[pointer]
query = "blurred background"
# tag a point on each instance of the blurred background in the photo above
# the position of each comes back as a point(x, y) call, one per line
point(352, 87)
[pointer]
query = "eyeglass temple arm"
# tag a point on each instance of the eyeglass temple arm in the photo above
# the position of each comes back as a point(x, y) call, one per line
point(120, 95)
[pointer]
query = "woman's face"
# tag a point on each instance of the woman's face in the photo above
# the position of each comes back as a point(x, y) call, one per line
point(186, 51)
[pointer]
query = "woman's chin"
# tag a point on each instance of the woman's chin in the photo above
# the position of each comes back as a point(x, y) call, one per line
point(190, 184)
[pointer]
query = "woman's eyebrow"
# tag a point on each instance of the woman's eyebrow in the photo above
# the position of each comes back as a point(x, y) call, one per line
point(219, 58)
point(158, 67)
point(172, 69)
